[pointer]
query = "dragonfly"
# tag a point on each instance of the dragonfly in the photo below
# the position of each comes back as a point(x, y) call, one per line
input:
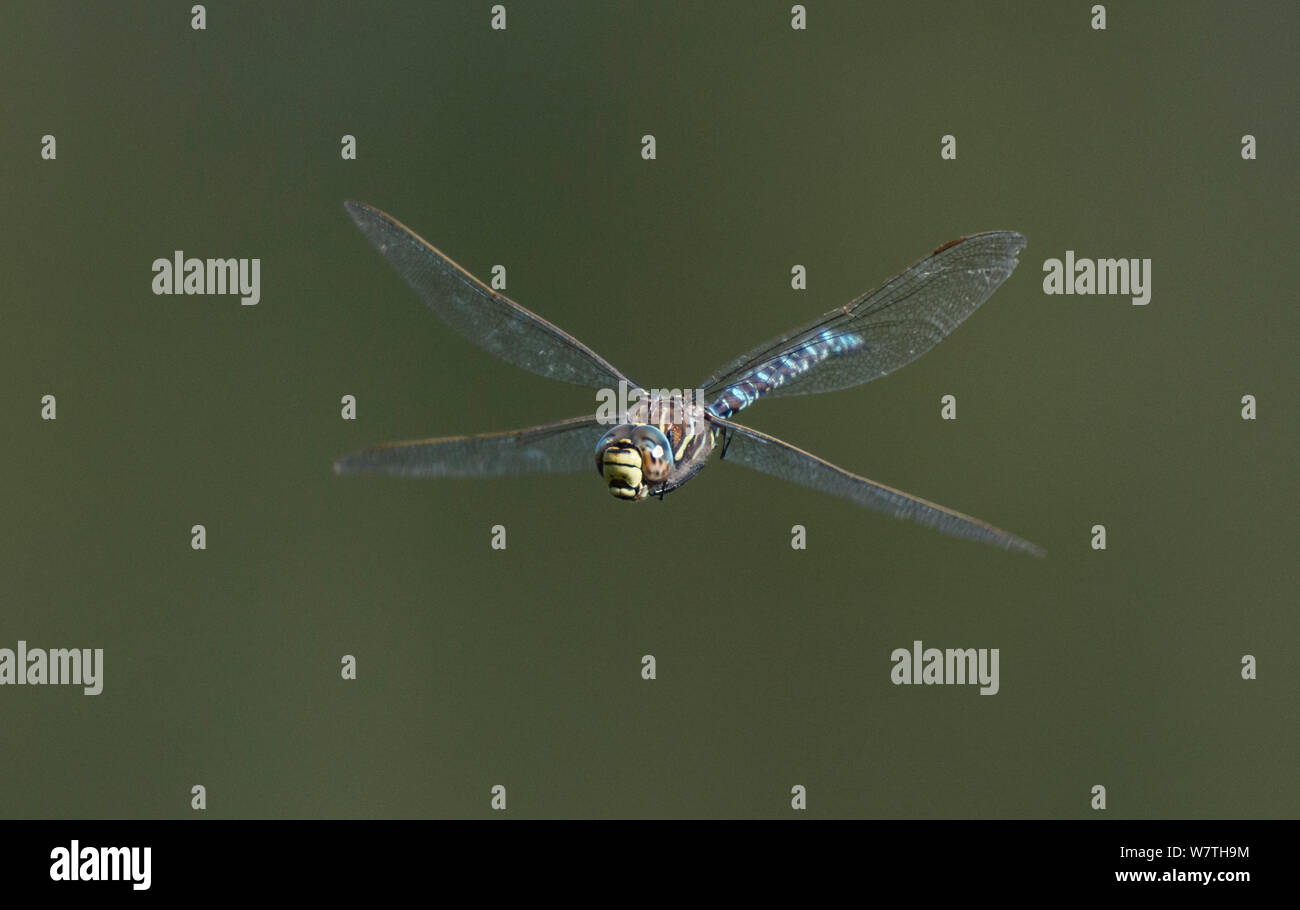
point(662, 441)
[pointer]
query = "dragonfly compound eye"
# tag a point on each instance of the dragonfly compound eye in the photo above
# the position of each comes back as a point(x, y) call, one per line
point(656, 453)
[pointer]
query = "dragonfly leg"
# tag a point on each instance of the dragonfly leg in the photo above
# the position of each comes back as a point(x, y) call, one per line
point(726, 442)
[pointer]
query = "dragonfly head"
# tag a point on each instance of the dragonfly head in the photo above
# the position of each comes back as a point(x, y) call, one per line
point(632, 458)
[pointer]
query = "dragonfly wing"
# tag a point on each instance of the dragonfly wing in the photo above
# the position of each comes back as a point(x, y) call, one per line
point(879, 332)
point(780, 459)
point(492, 321)
point(567, 446)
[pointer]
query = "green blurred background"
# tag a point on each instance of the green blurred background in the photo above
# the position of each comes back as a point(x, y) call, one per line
point(522, 667)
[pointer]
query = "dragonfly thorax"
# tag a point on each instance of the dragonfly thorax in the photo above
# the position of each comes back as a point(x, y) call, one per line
point(662, 445)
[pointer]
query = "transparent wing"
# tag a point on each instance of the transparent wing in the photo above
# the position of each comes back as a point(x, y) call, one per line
point(886, 328)
point(567, 446)
point(493, 322)
point(780, 459)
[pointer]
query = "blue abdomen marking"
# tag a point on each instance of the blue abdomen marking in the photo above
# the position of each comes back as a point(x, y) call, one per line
point(774, 373)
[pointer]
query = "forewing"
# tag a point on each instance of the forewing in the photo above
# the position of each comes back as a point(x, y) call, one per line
point(565, 447)
point(770, 455)
point(492, 321)
point(890, 326)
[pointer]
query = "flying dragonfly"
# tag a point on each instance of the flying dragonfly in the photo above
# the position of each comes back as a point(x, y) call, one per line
point(662, 442)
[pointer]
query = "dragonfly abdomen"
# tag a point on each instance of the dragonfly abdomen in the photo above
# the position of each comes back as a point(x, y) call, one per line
point(775, 373)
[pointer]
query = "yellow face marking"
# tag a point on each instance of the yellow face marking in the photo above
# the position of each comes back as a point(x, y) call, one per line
point(628, 475)
point(622, 469)
point(623, 457)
